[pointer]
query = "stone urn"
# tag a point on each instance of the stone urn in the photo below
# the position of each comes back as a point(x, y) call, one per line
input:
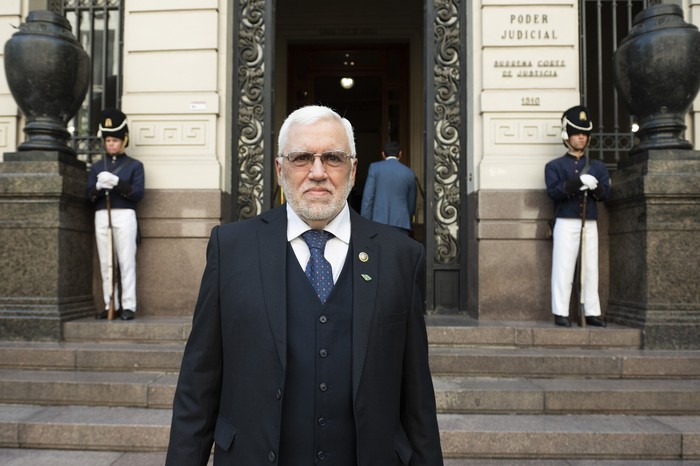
point(48, 74)
point(657, 73)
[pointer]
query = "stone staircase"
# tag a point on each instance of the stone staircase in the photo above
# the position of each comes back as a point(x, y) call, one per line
point(507, 393)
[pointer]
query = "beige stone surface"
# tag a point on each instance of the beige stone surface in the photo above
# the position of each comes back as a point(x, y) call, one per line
point(540, 436)
point(123, 429)
point(29, 457)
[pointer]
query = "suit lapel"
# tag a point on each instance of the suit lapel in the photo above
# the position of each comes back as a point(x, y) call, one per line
point(365, 267)
point(272, 250)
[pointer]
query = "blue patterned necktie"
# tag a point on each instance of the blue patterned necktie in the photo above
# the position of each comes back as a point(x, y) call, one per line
point(318, 269)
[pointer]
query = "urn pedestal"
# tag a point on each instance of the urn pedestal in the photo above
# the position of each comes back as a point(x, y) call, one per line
point(45, 220)
point(655, 205)
point(46, 234)
point(655, 248)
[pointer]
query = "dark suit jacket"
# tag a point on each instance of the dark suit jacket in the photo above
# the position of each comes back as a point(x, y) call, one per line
point(231, 384)
point(389, 195)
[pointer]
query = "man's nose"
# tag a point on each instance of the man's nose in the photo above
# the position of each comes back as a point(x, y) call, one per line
point(317, 170)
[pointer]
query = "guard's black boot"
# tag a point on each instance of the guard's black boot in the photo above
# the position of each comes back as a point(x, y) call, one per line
point(562, 321)
point(595, 321)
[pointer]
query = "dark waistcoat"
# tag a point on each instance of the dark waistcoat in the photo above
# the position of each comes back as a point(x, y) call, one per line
point(318, 426)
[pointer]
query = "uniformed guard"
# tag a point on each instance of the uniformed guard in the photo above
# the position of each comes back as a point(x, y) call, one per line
point(115, 185)
point(576, 184)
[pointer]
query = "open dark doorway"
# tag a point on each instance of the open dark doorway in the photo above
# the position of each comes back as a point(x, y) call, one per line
point(375, 101)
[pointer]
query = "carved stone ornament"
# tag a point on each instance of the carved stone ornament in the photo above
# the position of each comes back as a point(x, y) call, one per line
point(446, 144)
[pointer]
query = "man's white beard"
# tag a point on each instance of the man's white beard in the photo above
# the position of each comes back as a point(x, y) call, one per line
point(320, 210)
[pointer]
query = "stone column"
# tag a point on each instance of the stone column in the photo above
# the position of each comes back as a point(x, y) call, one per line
point(47, 243)
point(655, 247)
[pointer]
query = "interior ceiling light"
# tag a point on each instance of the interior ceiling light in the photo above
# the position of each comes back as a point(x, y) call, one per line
point(348, 61)
point(347, 83)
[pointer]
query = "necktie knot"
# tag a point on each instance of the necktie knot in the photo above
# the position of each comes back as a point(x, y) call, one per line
point(318, 268)
point(316, 239)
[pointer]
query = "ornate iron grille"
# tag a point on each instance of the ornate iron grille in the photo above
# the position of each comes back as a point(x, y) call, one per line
point(98, 26)
point(254, 161)
point(604, 23)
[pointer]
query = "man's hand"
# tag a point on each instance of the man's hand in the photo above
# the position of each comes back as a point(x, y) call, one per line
point(589, 182)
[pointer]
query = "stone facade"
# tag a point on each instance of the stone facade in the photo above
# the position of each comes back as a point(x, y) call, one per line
point(522, 71)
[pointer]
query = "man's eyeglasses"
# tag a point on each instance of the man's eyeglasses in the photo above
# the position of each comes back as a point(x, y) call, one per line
point(333, 159)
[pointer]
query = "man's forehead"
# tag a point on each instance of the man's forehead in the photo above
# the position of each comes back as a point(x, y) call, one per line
point(319, 133)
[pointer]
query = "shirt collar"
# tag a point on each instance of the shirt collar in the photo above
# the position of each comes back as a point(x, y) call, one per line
point(339, 226)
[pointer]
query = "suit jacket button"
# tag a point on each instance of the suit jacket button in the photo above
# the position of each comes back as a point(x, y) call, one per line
point(278, 394)
point(321, 455)
point(271, 456)
point(323, 387)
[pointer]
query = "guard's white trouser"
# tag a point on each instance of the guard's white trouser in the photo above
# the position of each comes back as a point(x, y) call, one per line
point(567, 232)
point(124, 235)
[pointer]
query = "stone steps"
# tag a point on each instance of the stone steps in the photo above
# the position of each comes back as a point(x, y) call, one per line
point(486, 395)
point(444, 360)
point(580, 436)
point(565, 362)
point(474, 436)
point(464, 332)
point(92, 356)
point(442, 331)
point(507, 393)
point(454, 394)
point(40, 457)
point(131, 389)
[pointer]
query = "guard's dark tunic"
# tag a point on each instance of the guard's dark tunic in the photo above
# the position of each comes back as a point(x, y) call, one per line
point(562, 177)
point(318, 426)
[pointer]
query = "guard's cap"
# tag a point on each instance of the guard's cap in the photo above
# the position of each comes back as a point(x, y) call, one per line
point(113, 123)
point(575, 121)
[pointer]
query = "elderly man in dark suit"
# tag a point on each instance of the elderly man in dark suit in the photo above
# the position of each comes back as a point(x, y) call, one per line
point(295, 356)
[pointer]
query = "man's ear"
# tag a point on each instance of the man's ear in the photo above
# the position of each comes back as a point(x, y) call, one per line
point(278, 168)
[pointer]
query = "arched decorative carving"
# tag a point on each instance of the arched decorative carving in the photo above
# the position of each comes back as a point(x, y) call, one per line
point(446, 141)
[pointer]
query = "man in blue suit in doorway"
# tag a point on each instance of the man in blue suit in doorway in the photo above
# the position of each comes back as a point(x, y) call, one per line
point(390, 190)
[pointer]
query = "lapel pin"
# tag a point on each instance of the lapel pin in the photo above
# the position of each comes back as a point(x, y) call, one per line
point(363, 257)
point(366, 277)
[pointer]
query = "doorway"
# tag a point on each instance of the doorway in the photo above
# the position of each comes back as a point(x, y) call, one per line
point(367, 84)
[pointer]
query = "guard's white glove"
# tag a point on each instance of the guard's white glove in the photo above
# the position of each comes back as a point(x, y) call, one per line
point(106, 180)
point(589, 182)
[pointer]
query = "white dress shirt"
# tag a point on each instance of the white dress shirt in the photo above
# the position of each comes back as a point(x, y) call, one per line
point(336, 248)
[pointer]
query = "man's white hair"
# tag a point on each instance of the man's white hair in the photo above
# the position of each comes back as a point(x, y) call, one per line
point(309, 115)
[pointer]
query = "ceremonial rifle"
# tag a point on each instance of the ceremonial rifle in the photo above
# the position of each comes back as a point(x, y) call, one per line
point(110, 259)
point(581, 262)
